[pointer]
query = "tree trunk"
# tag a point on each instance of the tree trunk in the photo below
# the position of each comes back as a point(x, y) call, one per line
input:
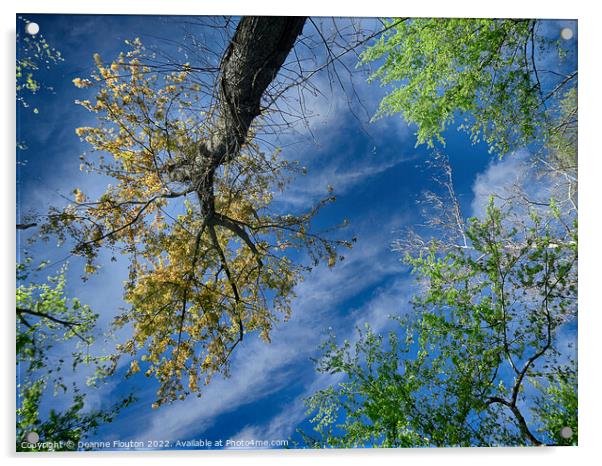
point(251, 62)
point(248, 66)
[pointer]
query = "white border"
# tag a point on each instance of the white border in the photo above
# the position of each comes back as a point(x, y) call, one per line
point(470, 8)
point(590, 324)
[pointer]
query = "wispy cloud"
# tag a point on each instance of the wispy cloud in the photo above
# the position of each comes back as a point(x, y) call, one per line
point(341, 173)
point(386, 302)
point(500, 177)
point(261, 369)
point(283, 424)
point(520, 177)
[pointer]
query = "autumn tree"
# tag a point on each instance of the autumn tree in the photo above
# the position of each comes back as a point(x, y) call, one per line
point(210, 258)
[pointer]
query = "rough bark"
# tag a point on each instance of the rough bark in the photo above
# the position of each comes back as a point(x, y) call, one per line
point(248, 66)
point(251, 62)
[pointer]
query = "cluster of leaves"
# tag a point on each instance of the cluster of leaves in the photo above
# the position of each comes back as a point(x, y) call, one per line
point(557, 406)
point(46, 318)
point(481, 347)
point(562, 142)
point(210, 259)
point(33, 54)
point(484, 70)
point(59, 430)
point(47, 323)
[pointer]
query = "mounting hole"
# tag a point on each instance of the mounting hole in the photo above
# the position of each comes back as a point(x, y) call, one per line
point(566, 432)
point(566, 33)
point(32, 28)
point(32, 437)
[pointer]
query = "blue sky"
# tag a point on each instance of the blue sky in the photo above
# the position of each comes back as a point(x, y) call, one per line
point(377, 174)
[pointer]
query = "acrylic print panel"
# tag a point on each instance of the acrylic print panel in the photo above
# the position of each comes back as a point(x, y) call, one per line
point(287, 232)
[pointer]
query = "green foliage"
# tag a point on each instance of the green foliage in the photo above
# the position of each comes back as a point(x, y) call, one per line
point(47, 318)
point(59, 431)
point(481, 69)
point(562, 141)
point(557, 405)
point(480, 348)
point(33, 54)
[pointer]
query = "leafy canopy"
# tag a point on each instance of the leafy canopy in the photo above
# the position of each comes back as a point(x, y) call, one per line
point(485, 71)
point(211, 259)
point(481, 363)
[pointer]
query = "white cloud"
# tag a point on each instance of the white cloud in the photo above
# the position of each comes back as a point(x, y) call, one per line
point(342, 173)
point(282, 425)
point(392, 300)
point(520, 177)
point(500, 177)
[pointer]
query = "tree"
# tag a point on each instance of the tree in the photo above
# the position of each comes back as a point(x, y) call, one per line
point(210, 258)
point(46, 319)
point(478, 361)
point(486, 71)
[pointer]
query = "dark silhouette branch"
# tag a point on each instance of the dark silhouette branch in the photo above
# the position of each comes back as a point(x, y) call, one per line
point(71, 325)
point(522, 423)
point(66, 323)
point(25, 226)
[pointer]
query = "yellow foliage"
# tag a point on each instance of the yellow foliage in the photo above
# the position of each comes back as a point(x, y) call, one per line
point(134, 367)
point(78, 82)
point(79, 196)
point(197, 284)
